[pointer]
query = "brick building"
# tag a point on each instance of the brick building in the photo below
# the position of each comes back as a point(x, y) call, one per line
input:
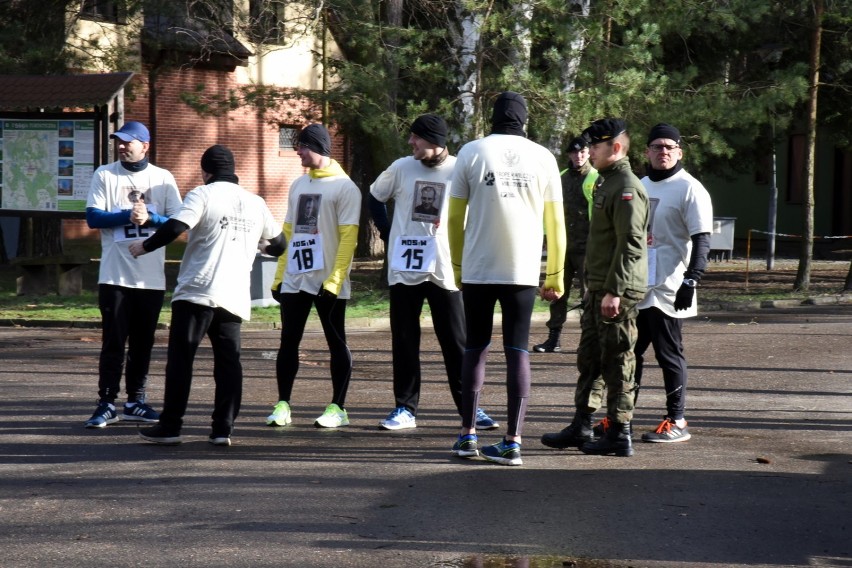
point(180, 56)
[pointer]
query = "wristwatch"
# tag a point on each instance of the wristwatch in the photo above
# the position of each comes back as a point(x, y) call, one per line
point(690, 282)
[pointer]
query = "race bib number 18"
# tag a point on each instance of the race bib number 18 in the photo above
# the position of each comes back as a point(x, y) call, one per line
point(414, 254)
point(304, 254)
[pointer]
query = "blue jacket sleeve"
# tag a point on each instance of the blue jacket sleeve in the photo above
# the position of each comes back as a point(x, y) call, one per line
point(100, 219)
point(155, 220)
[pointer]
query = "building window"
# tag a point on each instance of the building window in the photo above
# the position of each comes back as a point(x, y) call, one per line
point(267, 21)
point(287, 137)
point(114, 11)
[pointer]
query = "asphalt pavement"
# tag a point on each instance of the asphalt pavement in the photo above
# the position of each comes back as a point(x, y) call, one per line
point(764, 482)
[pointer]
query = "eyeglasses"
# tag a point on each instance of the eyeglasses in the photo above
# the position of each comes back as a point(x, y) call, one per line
point(661, 147)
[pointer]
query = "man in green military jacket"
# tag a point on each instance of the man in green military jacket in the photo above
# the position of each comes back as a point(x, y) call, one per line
point(616, 280)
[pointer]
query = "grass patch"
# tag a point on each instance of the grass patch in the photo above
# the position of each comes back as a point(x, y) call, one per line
point(724, 282)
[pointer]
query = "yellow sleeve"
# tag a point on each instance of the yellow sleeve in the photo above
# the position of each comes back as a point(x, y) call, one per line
point(554, 228)
point(287, 229)
point(343, 260)
point(455, 232)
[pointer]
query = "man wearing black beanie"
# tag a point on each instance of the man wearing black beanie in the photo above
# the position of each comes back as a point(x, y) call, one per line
point(505, 189)
point(419, 267)
point(678, 244)
point(212, 296)
point(321, 226)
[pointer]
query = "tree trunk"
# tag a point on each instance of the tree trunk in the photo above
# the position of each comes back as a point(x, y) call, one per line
point(522, 13)
point(470, 68)
point(572, 56)
point(803, 276)
point(40, 236)
point(393, 17)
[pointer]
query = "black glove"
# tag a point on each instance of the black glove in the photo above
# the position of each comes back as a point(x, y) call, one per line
point(326, 295)
point(683, 298)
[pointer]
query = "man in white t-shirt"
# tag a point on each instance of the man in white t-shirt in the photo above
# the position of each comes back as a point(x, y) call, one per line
point(419, 267)
point(678, 245)
point(505, 189)
point(127, 200)
point(226, 224)
point(315, 273)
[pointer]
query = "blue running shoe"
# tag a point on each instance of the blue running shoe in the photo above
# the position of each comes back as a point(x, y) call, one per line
point(104, 414)
point(466, 446)
point(139, 412)
point(399, 419)
point(485, 422)
point(504, 453)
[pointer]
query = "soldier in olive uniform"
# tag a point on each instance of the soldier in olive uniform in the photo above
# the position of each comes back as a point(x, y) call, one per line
point(616, 280)
point(578, 182)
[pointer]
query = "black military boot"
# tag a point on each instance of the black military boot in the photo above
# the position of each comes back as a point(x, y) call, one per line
point(574, 435)
point(551, 345)
point(616, 442)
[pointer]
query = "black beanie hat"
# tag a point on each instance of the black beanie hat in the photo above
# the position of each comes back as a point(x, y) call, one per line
point(218, 161)
point(315, 137)
point(664, 130)
point(509, 115)
point(431, 128)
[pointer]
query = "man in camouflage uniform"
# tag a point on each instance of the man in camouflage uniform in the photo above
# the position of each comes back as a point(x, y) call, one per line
point(616, 277)
point(578, 182)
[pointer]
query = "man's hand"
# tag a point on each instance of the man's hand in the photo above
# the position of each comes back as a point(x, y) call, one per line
point(136, 249)
point(549, 294)
point(683, 298)
point(326, 295)
point(139, 214)
point(610, 305)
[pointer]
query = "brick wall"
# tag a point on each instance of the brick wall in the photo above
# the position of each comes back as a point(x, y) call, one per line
point(180, 136)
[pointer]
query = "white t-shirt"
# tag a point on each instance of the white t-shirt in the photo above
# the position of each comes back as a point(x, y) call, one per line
point(113, 189)
point(414, 240)
point(680, 207)
point(226, 223)
point(506, 180)
point(336, 201)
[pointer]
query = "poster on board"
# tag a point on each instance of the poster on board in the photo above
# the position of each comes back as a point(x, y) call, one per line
point(46, 164)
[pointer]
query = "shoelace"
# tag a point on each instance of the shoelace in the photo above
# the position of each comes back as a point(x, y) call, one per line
point(665, 427)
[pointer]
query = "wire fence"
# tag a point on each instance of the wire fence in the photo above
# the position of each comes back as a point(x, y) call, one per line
point(748, 244)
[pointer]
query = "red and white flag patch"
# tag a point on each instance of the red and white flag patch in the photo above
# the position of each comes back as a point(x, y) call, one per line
point(627, 196)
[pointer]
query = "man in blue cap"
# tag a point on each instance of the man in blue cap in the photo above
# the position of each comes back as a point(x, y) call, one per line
point(127, 200)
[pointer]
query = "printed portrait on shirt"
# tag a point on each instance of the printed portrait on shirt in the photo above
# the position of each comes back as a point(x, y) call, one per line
point(428, 197)
point(306, 220)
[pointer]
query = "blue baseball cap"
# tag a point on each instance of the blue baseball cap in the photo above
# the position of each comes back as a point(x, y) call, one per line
point(132, 131)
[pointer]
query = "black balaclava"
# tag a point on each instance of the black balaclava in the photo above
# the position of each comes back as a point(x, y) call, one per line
point(219, 162)
point(509, 115)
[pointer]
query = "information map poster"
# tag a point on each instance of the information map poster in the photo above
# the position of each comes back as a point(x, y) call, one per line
point(47, 165)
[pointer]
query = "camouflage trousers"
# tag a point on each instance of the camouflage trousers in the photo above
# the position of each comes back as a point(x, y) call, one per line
point(605, 358)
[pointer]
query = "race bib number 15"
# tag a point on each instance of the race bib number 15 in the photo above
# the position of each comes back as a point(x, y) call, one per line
point(304, 254)
point(414, 254)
